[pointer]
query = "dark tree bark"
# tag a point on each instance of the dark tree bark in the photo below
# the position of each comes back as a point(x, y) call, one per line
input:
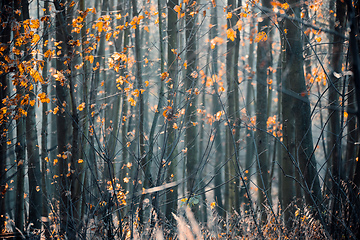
point(294, 72)
point(171, 152)
point(63, 118)
point(334, 144)
point(232, 193)
point(5, 29)
point(190, 85)
point(218, 180)
point(262, 64)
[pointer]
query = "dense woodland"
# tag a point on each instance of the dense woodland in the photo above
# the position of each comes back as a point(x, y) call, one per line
point(179, 119)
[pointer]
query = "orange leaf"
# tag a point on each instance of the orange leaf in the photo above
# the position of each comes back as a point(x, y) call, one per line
point(177, 8)
point(231, 34)
point(81, 107)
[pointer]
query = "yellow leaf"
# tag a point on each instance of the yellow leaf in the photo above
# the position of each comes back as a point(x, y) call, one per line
point(43, 98)
point(239, 24)
point(216, 40)
point(229, 15)
point(346, 114)
point(91, 58)
point(35, 24)
point(231, 34)
point(261, 36)
point(175, 126)
point(213, 3)
point(81, 107)
point(285, 5)
point(132, 102)
point(78, 66)
point(35, 39)
point(56, 109)
point(218, 115)
point(177, 8)
point(48, 53)
point(107, 36)
point(37, 188)
point(164, 75)
point(55, 161)
point(80, 161)
point(212, 205)
point(135, 93)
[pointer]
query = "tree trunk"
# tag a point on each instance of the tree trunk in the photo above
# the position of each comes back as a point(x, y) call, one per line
point(249, 111)
point(294, 74)
point(44, 132)
point(63, 120)
point(171, 152)
point(218, 170)
point(191, 144)
point(232, 193)
point(288, 150)
point(5, 29)
point(20, 149)
point(263, 62)
point(334, 115)
point(140, 135)
point(34, 173)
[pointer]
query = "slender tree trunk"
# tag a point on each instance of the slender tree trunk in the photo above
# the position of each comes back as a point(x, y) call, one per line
point(152, 142)
point(20, 148)
point(20, 158)
point(218, 180)
point(232, 193)
point(334, 115)
point(294, 73)
point(6, 12)
point(63, 120)
point(34, 173)
point(262, 64)
point(140, 135)
point(191, 131)
point(352, 133)
point(249, 111)
point(354, 20)
point(44, 133)
point(171, 152)
point(288, 151)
